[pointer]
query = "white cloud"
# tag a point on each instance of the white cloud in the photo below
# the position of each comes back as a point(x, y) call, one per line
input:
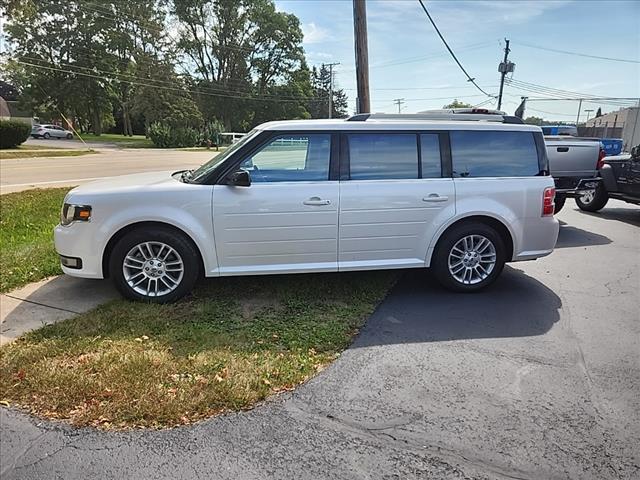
point(314, 33)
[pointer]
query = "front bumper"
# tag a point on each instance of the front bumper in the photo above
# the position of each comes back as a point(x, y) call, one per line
point(76, 241)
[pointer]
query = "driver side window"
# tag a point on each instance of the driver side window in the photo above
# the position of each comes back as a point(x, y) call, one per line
point(291, 158)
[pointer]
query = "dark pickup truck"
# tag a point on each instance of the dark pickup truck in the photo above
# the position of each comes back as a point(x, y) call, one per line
point(620, 179)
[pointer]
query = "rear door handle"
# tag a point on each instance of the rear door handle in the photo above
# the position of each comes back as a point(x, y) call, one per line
point(435, 198)
point(316, 201)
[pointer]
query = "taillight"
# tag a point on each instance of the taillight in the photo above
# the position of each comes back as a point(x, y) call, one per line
point(601, 156)
point(548, 201)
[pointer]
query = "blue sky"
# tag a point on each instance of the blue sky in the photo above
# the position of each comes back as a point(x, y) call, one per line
point(407, 59)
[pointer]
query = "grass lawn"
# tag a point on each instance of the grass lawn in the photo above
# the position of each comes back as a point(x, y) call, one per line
point(26, 236)
point(137, 141)
point(32, 153)
point(230, 345)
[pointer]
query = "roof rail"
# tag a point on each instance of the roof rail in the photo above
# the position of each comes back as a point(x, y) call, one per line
point(494, 116)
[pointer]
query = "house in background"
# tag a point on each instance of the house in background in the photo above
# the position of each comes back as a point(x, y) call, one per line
point(9, 108)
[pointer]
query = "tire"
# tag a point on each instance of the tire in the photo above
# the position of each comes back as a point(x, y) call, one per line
point(451, 245)
point(595, 202)
point(69, 136)
point(46, 136)
point(152, 278)
point(559, 203)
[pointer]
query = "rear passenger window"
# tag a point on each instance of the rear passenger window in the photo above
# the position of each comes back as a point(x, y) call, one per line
point(430, 155)
point(493, 154)
point(378, 156)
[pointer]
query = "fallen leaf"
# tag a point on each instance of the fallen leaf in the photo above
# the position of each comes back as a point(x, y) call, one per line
point(4, 403)
point(144, 337)
point(266, 381)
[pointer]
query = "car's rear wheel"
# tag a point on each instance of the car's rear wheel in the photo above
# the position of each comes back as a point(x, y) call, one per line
point(156, 264)
point(469, 257)
point(593, 200)
point(46, 135)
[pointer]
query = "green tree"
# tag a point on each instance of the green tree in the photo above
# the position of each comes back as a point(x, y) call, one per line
point(457, 104)
point(58, 49)
point(319, 104)
point(171, 106)
point(534, 121)
point(239, 49)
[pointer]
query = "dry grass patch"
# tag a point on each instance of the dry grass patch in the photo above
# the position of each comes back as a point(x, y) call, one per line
point(230, 345)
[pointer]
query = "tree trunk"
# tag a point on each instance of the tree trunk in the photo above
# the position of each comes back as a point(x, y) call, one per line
point(97, 122)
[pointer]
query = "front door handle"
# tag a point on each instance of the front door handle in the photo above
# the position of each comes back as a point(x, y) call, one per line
point(316, 201)
point(435, 198)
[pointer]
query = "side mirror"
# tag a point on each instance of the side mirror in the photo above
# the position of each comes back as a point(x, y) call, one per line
point(239, 178)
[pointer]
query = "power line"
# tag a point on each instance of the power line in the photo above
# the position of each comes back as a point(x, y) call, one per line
point(472, 80)
point(560, 94)
point(311, 99)
point(566, 52)
point(115, 76)
point(399, 102)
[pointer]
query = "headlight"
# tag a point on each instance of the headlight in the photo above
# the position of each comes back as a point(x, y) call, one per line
point(74, 213)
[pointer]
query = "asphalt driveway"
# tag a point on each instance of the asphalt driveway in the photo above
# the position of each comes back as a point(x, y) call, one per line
point(539, 377)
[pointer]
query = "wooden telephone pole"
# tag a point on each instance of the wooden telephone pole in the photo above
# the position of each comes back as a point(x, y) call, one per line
point(363, 102)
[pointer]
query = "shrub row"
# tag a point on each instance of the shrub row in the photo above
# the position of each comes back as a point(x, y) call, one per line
point(169, 136)
point(13, 133)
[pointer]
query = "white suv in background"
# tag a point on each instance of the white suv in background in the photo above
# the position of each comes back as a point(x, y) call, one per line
point(460, 192)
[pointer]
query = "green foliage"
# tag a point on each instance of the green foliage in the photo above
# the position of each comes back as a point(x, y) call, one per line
point(319, 104)
point(457, 104)
point(13, 133)
point(534, 121)
point(210, 134)
point(168, 136)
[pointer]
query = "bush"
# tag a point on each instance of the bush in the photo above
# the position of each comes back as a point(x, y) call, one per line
point(165, 136)
point(13, 133)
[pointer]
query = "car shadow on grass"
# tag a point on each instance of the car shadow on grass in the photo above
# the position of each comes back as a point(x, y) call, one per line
point(418, 310)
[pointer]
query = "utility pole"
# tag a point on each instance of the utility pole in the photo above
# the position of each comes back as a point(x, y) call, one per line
point(331, 65)
point(505, 67)
point(399, 102)
point(363, 103)
point(588, 110)
point(579, 108)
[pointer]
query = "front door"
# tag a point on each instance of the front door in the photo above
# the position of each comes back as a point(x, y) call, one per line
point(287, 219)
point(393, 199)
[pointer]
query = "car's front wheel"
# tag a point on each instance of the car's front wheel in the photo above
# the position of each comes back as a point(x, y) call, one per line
point(593, 200)
point(469, 257)
point(155, 264)
point(69, 136)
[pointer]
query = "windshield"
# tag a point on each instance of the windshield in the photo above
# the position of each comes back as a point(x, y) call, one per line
point(203, 172)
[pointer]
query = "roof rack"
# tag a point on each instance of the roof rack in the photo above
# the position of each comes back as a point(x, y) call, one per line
point(457, 114)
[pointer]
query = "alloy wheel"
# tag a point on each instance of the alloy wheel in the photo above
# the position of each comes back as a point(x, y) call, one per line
point(153, 269)
point(472, 259)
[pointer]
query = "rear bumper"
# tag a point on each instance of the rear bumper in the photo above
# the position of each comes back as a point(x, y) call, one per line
point(540, 240)
point(575, 186)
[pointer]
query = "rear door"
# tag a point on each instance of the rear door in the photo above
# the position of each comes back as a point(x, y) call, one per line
point(287, 219)
point(394, 195)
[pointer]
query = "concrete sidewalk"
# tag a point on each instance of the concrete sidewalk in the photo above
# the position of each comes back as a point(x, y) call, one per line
point(49, 301)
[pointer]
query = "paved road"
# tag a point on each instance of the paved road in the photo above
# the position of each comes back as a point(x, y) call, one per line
point(24, 173)
point(537, 378)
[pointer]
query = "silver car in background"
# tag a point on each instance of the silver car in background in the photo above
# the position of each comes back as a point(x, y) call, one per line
point(50, 131)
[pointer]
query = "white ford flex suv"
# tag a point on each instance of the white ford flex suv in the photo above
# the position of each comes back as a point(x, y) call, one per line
point(462, 193)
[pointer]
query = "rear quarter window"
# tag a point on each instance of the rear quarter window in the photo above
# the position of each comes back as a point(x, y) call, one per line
point(494, 154)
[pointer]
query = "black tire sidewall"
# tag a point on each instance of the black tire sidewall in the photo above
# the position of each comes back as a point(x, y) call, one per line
point(440, 260)
point(69, 136)
point(600, 199)
point(176, 240)
point(46, 136)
